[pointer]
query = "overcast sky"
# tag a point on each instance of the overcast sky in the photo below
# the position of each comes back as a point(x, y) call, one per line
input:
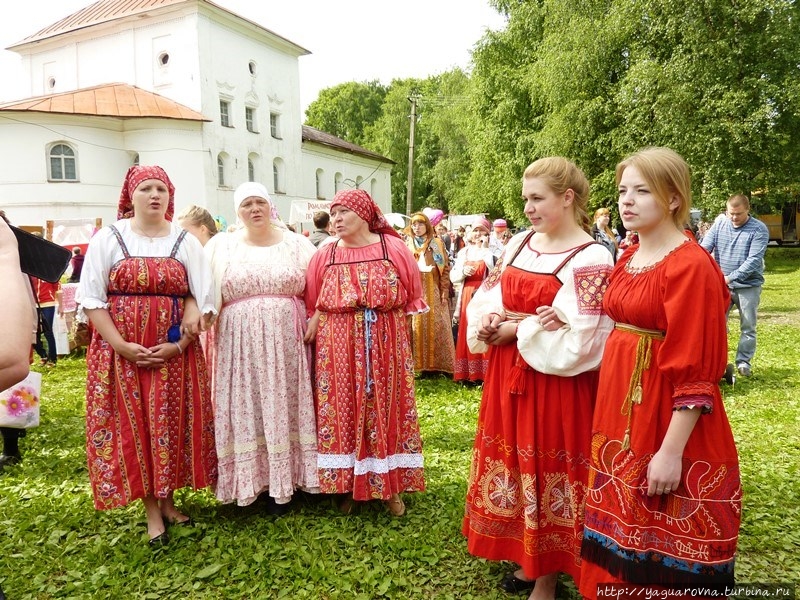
point(349, 40)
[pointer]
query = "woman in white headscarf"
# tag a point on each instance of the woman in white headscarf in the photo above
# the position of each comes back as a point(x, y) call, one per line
point(264, 416)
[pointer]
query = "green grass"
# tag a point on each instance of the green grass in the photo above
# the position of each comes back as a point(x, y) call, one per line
point(53, 544)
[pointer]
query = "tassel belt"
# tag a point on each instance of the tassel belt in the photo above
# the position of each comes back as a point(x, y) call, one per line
point(512, 315)
point(643, 355)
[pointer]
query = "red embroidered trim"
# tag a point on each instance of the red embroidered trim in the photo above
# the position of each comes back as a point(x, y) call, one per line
point(590, 286)
point(695, 388)
point(687, 402)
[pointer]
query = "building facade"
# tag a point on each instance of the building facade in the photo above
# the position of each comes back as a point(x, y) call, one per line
point(210, 96)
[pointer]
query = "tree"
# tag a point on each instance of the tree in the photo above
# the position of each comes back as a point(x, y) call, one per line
point(347, 110)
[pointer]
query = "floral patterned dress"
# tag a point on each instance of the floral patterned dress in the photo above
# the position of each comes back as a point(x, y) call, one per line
point(265, 421)
point(148, 431)
point(368, 434)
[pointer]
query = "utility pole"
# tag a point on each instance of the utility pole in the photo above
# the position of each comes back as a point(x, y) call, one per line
point(410, 185)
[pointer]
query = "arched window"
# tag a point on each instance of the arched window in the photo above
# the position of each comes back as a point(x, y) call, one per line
point(320, 194)
point(63, 164)
point(337, 182)
point(221, 170)
point(277, 176)
point(251, 170)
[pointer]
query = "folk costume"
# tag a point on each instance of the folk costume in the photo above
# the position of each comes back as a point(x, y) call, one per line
point(531, 455)
point(469, 366)
point(433, 347)
point(264, 405)
point(149, 431)
point(368, 440)
point(667, 352)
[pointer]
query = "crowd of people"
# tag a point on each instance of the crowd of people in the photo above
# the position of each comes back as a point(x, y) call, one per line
point(260, 362)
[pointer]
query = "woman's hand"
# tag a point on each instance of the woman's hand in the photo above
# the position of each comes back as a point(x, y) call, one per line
point(311, 329)
point(505, 334)
point(192, 323)
point(664, 472)
point(137, 354)
point(489, 325)
point(548, 318)
point(160, 354)
point(469, 270)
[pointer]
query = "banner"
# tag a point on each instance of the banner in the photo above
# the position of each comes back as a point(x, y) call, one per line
point(302, 211)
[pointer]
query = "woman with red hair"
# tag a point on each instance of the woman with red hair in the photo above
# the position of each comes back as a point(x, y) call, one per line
point(149, 423)
point(361, 290)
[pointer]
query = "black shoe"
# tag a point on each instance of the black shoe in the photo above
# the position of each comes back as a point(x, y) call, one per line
point(513, 584)
point(9, 459)
point(275, 509)
point(160, 540)
point(730, 374)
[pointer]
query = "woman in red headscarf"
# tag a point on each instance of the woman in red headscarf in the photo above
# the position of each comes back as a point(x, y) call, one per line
point(149, 422)
point(361, 290)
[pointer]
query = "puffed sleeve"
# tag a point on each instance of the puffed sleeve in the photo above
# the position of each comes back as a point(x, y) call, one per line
point(198, 270)
point(489, 297)
point(316, 268)
point(305, 249)
point(694, 352)
point(403, 260)
point(457, 271)
point(216, 252)
point(578, 345)
point(93, 287)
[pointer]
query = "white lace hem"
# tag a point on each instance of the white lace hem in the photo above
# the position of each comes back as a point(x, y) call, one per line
point(369, 465)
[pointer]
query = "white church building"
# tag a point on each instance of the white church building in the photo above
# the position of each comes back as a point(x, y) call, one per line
point(208, 95)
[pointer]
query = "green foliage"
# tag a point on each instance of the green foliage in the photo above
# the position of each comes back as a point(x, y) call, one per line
point(347, 110)
point(55, 545)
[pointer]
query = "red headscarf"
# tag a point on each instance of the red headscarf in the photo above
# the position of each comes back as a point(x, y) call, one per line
point(136, 175)
point(360, 203)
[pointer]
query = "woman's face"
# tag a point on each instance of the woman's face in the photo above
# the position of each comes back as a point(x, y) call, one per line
point(198, 231)
point(545, 209)
point(418, 228)
point(346, 223)
point(639, 209)
point(150, 198)
point(254, 212)
point(603, 220)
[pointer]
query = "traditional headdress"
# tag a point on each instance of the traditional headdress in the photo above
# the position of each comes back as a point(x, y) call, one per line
point(136, 175)
point(435, 215)
point(421, 217)
point(499, 223)
point(251, 188)
point(482, 222)
point(360, 203)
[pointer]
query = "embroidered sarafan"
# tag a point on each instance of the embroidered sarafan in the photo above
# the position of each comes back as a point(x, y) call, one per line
point(687, 537)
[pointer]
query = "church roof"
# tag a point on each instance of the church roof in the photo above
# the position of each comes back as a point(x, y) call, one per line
point(104, 11)
point(318, 136)
point(111, 100)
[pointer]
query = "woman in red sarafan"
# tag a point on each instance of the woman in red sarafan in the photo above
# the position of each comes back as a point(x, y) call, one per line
point(361, 290)
point(149, 422)
point(544, 328)
point(664, 504)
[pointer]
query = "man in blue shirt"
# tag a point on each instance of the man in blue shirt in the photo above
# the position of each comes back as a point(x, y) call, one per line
point(738, 243)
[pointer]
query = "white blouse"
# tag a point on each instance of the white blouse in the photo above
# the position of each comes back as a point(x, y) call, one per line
point(578, 345)
point(470, 253)
point(104, 252)
point(229, 248)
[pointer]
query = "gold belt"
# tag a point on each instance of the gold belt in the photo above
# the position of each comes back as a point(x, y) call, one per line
point(512, 315)
point(643, 356)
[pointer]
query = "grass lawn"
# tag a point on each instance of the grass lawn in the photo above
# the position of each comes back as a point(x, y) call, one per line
point(53, 544)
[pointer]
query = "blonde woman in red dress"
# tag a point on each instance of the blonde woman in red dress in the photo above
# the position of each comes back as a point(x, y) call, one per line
point(149, 423)
point(361, 290)
point(664, 504)
point(542, 322)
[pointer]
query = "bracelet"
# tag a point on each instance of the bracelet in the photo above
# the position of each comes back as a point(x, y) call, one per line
point(178, 346)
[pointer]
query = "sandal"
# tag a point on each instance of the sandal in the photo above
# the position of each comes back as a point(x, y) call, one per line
point(395, 505)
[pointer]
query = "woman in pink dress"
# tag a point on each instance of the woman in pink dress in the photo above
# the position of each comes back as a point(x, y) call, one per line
point(264, 404)
point(149, 423)
point(361, 290)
